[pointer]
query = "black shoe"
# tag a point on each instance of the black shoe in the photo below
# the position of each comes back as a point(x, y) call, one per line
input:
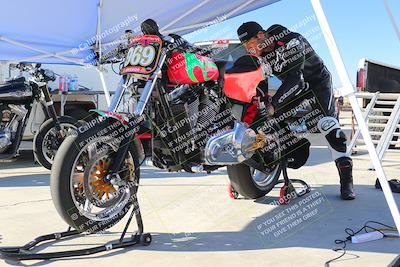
point(345, 168)
point(394, 185)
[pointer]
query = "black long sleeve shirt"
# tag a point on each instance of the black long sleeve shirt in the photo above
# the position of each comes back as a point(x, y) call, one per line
point(295, 63)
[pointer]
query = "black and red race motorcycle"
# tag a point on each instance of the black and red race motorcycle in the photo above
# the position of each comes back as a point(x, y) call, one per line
point(204, 115)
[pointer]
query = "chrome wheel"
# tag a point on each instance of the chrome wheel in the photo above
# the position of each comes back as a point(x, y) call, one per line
point(97, 195)
point(262, 179)
point(53, 139)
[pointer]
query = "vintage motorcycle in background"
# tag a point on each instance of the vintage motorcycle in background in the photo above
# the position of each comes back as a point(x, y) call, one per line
point(204, 114)
point(17, 98)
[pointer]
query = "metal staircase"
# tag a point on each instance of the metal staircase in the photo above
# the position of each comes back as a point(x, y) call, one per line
point(382, 115)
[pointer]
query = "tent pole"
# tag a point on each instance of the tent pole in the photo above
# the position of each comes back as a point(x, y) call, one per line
point(98, 30)
point(100, 68)
point(392, 19)
point(34, 58)
point(8, 40)
point(3, 66)
point(227, 16)
point(185, 15)
point(103, 83)
point(349, 90)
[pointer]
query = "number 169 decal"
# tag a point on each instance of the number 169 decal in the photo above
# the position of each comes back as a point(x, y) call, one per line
point(143, 55)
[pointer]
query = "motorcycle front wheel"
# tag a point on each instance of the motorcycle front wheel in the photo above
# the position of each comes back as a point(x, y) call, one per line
point(82, 191)
point(48, 140)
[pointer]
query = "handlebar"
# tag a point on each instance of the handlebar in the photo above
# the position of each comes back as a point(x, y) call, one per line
point(149, 27)
point(35, 70)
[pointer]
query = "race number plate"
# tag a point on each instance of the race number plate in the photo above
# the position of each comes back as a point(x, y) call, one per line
point(143, 55)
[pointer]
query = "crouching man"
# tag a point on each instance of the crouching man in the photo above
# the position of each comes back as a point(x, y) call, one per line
point(301, 70)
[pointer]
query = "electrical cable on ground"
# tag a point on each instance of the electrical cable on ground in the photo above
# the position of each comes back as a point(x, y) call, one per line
point(350, 233)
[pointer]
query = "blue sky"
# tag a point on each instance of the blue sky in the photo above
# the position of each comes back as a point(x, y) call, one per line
point(362, 29)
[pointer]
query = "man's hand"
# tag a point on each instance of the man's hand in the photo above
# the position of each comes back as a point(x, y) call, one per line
point(266, 106)
point(269, 109)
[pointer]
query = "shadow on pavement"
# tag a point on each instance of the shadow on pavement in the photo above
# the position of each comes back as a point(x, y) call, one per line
point(24, 160)
point(26, 180)
point(331, 216)
point(318, 231)
point(43, 178)
point(153, 173)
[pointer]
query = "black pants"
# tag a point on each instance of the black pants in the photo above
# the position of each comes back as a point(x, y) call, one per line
point(323, 105)
point(325, 98)
point(322, 98)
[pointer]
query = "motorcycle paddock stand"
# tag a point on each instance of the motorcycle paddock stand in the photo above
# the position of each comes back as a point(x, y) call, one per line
point(25, 252)
point(288, 191)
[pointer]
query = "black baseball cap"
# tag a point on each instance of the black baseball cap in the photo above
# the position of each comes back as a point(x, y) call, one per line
point(248, 30)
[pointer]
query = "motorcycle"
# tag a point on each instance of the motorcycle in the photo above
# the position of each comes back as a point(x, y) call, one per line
point(204, 114)
point(18, 96)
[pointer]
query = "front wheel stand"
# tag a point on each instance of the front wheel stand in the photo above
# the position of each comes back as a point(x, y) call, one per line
point(26, 252)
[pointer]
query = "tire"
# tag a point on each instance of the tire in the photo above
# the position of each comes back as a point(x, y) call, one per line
point(241, 177)
point(62, 179)
point(38, 141)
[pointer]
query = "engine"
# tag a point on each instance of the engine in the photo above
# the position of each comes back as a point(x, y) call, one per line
point(198, 114)
point(10, 117)
point(208, 114)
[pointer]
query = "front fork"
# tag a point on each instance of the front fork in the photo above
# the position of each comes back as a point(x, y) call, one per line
point(144, 98)
point(50, 110)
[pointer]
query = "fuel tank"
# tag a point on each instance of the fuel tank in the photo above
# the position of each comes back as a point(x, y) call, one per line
point(15, 90)
point(190, 68)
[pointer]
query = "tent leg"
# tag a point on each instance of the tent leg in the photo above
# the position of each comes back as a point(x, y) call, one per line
point(344, 77)
point(3, 68)
point(103, 82)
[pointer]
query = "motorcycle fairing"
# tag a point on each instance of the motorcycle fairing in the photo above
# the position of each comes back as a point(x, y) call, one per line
point(112, 115)
point(241, 80)
point(243, 86)
point(190, 68)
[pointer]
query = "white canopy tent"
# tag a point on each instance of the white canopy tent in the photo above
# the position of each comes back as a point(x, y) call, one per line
point(68, 32)
point(57, 29)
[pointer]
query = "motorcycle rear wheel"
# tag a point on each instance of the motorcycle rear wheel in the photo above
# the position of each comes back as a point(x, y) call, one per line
point(252, 183)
